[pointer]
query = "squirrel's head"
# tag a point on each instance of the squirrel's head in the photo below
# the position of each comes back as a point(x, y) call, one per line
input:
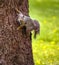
point(20, 17)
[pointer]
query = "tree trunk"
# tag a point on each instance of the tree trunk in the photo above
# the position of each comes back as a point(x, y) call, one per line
point(15, 48)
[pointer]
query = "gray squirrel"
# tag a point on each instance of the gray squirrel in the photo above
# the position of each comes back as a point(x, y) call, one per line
point(29, 23)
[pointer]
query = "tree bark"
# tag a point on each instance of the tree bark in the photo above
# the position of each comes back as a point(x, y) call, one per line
point(15, 48)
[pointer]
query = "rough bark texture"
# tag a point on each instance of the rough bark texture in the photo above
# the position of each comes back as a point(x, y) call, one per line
point(15, 48)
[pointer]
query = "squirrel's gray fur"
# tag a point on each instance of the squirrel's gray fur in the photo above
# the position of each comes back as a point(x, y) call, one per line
point(29, 23)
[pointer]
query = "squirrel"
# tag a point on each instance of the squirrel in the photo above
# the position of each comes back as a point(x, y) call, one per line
point(29, 23)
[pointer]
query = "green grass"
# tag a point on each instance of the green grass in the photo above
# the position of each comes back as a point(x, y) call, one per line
point(46, 45)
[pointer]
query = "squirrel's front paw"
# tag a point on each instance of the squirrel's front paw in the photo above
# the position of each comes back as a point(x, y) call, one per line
point(18, 28)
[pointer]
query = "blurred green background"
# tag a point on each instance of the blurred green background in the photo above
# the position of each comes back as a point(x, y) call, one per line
point(46, 45)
